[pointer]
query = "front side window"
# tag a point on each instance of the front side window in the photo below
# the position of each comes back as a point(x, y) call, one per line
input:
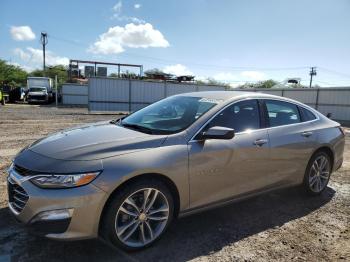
point(241, 116)
point(282, 113)
point(169, 115)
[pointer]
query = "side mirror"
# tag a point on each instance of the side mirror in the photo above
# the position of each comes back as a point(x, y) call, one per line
point(218, 132)
point(329, 115)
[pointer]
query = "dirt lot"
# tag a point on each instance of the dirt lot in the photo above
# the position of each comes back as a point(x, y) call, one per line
point(283, 225)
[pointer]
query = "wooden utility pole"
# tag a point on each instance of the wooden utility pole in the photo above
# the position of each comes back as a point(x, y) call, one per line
point(44, 43)
point(312, 73)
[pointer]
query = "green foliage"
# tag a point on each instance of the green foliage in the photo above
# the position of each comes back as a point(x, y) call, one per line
point(154, 71)
point(261, 84)
point(12, 75)
point(52, 71)
point(212, 81)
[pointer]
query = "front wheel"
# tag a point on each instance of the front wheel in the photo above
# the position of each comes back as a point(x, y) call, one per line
point(138, 215)
point(317, 173)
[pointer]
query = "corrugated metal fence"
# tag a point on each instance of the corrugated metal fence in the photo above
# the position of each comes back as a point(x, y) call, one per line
point(335, 100)
point(110, 94)
point(74, 94)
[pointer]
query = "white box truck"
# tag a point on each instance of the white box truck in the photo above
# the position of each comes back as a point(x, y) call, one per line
point(39, 89)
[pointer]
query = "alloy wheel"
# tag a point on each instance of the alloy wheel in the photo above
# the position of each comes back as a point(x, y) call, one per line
point(142, 217)
point(319, 174)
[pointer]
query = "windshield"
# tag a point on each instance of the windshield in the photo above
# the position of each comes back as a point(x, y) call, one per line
point(169, 115)
point(37, 89)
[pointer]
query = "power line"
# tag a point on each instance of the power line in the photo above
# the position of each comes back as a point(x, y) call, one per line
point(232, 68)
point(66, 40)
point(335, 72)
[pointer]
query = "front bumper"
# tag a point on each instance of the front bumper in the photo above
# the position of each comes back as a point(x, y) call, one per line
point(37, 98)
point(85, 204)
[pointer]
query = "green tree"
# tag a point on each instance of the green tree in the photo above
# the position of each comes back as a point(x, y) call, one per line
point(12, 75)
point(261, 84)
point(113, 75)
point(154, 71)
point(212, 81)
point(52, 71)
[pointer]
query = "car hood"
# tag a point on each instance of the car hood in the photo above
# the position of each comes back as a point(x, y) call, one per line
point(94, 141)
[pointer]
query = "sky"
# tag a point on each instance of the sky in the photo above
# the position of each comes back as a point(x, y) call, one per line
point(233, 41)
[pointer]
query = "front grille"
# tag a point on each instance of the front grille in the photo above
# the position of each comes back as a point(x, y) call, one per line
point(18, 197)
point(37, 97)
point(23, 171)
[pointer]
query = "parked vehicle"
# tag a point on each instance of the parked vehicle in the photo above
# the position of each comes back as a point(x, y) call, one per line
point(39, 89)
point(126, 179)
point(17, 94)
point(4, 97)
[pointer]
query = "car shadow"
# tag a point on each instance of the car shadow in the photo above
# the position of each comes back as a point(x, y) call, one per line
point(187, 238)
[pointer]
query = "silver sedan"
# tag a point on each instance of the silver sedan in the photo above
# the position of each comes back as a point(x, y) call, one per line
point(125, 180)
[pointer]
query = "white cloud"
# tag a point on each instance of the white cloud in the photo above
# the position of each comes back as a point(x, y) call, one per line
point(254, 75)
point(21, 54)
point(22, 33)
point(34, 57)
point(132, 35)
point(117, 14)
point(137, 6)
point(24, 67)
point(118, 7)
point(178, 70)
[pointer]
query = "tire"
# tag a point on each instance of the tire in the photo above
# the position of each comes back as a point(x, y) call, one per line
point(143, 223)
point(316, 179)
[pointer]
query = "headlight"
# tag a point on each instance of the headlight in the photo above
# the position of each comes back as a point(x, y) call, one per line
point(63, 181)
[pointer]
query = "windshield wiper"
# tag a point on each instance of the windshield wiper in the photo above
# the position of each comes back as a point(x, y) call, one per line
point(115, 121)
point(142, 129)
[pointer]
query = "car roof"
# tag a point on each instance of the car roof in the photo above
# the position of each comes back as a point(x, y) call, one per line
point(229, 95)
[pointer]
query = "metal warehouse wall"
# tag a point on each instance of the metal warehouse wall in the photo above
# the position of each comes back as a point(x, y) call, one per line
point(335, 100)
point(112, 94)
point(74, 94)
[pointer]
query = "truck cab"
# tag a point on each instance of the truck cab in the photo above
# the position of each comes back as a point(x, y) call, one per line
point(39, 89)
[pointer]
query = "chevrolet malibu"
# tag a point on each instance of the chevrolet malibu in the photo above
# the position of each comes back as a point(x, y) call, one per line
point(125, 180)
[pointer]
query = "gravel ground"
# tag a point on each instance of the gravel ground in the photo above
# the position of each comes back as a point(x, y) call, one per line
point(280, 226)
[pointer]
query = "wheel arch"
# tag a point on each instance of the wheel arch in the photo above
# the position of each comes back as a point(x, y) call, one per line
point(166, 180)
point(328, 150)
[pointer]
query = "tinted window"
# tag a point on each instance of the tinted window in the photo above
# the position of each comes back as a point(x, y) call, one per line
point(240, 116)
point(282, 113)
point(307, 114)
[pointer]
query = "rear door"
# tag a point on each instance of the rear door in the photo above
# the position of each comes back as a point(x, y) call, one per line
point(292, 140)
point(221, 169)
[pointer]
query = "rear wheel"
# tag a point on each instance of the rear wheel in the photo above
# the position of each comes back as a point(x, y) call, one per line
point(138, 215)
point(317, 173)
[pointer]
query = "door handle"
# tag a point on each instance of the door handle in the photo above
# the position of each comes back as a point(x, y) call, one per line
point(306, 133)
point(260, 142)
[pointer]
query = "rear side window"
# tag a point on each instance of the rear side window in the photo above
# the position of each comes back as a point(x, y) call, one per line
point(241, 116)
point(282, 113)
point(307, 115)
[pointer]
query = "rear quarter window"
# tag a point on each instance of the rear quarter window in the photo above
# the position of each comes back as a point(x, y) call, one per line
point(306, 114)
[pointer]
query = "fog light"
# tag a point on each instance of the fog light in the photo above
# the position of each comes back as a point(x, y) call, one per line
point(59, 214)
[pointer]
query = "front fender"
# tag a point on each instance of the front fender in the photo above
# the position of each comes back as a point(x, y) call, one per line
point(170, 161)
